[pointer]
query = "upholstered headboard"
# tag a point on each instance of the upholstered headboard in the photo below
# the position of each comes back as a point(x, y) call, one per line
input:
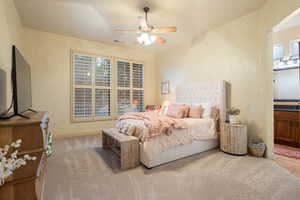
point(204, 92)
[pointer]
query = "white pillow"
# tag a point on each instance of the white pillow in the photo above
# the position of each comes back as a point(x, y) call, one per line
point(207, 108)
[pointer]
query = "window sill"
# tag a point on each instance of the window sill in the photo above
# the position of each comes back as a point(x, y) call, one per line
point(82, 120)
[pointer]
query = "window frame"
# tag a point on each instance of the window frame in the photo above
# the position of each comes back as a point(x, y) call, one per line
point(291, 47)
point(131, 88)
point(113, 87)
point(283, 49)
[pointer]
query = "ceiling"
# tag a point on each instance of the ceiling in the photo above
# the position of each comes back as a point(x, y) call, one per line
point(289, 22)
point(96, 19)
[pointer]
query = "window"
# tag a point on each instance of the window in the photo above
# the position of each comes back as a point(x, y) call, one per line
point(91, 87)
point(97, 95)
point(102, 87)
point(130, 95)
point(278, 52)
point(295, 49)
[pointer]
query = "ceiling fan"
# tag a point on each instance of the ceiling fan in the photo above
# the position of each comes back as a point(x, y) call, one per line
point(148, 33)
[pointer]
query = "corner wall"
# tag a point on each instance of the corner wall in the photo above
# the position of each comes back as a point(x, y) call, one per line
point(11, 33)
point(227, 53)
point(285, 37)
point(49, 57)
point(239, 52)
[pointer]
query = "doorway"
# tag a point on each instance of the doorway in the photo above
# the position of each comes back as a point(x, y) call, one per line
point(286, 89)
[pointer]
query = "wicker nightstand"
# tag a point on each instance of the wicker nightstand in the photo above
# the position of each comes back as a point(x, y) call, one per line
point(234, 138)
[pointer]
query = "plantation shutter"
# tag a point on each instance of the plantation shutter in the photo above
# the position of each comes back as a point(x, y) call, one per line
point(138, 86)
point(91, 87)
point(103, 87)
point(123, 90)
point(130, 95)
point(82, 101)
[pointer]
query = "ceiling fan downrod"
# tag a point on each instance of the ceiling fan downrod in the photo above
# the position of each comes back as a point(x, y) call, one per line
point(146, 10)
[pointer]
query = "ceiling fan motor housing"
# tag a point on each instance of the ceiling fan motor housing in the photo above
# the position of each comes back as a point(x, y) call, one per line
point(146, 9)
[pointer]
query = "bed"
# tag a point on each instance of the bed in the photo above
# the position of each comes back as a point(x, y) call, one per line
point(201, 134)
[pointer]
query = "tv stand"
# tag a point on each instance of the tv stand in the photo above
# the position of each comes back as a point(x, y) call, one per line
point(10, 115)
point(20, 115)
point(28, 181)
point(32, 110)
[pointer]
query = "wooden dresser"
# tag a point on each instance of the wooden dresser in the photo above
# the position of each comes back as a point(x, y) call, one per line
point(27, 182)
point(287, 128)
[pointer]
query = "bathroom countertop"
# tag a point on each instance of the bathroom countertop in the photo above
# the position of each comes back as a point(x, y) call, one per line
point(287, 108)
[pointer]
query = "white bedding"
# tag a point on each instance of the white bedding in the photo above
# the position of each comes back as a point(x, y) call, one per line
point(201, 129)
point(198, 129)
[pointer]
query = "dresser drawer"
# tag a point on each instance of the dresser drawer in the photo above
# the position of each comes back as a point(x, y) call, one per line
point(19, 190)
point(31, 136)
point(26, 183)
point(29, 170)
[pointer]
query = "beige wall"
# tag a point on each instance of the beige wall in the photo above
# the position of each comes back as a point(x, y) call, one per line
point(286, 36)
point(226, 53)
point(49, 57)
point(239, 52)
point(11, 33)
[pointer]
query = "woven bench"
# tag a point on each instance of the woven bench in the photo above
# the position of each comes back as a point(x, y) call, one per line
point(126, 147)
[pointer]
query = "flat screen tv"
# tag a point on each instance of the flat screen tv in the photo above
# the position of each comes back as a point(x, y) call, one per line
point(21, 83)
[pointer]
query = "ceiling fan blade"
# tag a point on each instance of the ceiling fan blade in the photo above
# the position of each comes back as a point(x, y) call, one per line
point(161, 40)
point(164, 29)
point(127, 30)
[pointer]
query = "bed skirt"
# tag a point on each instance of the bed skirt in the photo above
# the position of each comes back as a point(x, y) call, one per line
point(179, 152)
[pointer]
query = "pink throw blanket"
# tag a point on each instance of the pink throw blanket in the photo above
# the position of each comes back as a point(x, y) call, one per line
point(155, 123)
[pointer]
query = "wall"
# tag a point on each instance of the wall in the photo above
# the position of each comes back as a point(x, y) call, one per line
point(49, 57)
point(239, 52)
point(286, 36)
point(223, 54)
point(11, 33)
point(272, 13)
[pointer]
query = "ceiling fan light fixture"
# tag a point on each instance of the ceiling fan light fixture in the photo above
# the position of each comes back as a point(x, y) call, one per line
point(145, 30)
point(153, 38)
point(146, 39)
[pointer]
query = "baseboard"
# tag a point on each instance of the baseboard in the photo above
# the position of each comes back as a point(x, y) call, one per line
point(77, 134)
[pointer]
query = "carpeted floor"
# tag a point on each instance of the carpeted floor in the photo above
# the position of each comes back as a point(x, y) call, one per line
point(81, 170)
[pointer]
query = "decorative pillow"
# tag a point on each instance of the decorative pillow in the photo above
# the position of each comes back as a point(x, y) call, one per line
point(195, 111)
point(150, 108)
point(186, 109)
point(176, 111)
point(207, 110)
point(215, 113)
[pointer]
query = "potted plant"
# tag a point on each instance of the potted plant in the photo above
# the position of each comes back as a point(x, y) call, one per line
point(233, 115)
point(9, 160)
